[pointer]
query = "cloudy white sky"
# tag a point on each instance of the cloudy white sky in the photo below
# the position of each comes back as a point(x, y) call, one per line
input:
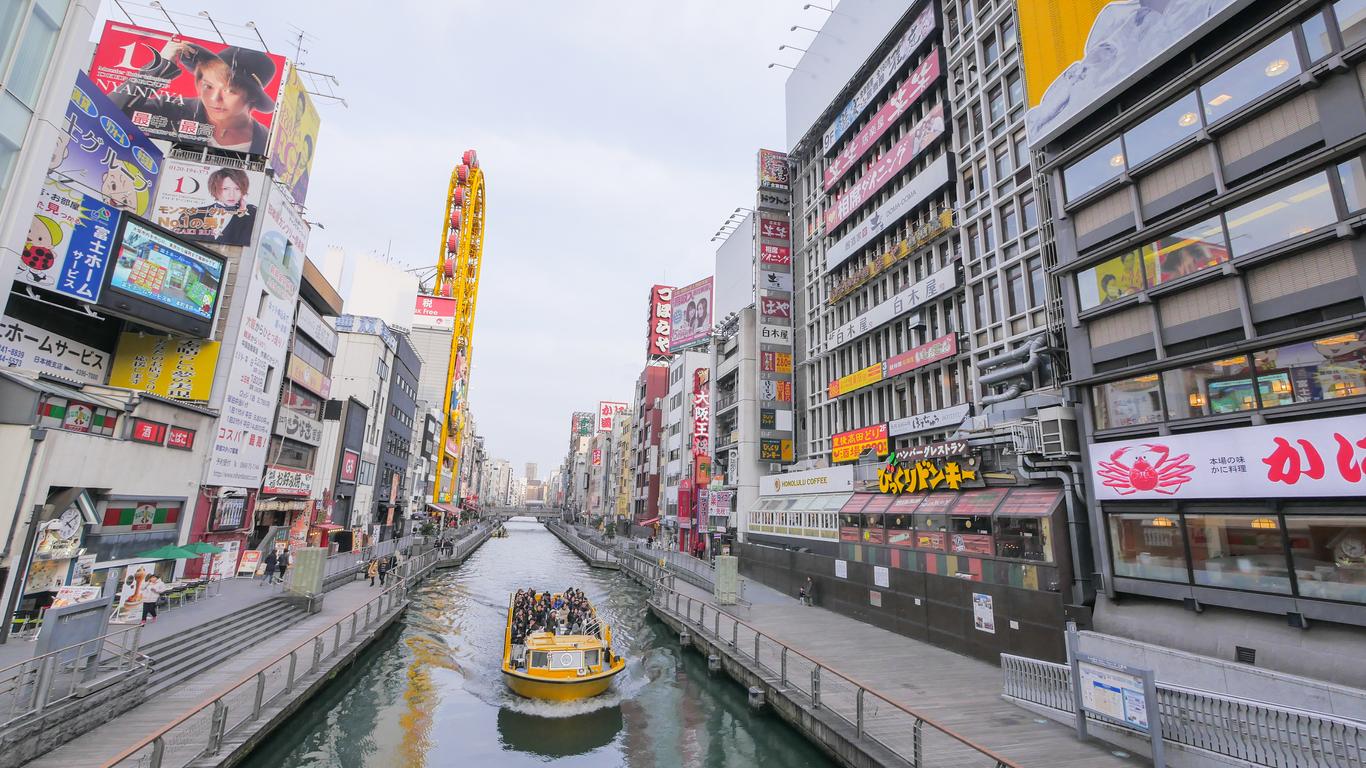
point(616, 136)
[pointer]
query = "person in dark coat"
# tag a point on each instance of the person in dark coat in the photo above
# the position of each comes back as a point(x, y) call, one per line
point(271, 561)
point(282, 565)
point(383, 569)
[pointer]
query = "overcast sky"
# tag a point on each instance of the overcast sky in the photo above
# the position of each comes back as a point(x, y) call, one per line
point(616, 136)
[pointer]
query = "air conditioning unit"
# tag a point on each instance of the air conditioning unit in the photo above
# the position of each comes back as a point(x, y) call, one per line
point(1058, 433)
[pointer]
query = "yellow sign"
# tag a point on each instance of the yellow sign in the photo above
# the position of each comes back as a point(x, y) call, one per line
point(783, 362)
point(848, 446)
point(1052, 36)
point(924, 475)
point(856, 380)
point(168, 366)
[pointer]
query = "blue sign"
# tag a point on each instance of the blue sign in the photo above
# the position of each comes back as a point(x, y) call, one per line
point(70, 242)
point(104, 154)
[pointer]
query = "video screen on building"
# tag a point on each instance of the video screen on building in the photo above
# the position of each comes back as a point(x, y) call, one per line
point(166, 271)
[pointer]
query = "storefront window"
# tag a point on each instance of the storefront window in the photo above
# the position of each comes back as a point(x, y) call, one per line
point(1330, 556)
point(1326, 369)
point(1027, 538)
point(931, 532)
point(1207, 389)
point(970, 534)
point(1112, 279)
point(1170, 126)
point(1291, 211)
point(1242, 83)
point(1238, 552)
point(1128, 402)
point(1148, 546)
point(1093, 171)
point(899, 529)
point(1185, 252)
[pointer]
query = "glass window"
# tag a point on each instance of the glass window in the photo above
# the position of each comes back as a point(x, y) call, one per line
point(993, 298)
point(1010, 228)
point(1238, 551)
point(288, 453)
point(1351, 20)
point(1316, 37)
point(1128, 402)
point(1036, 281)
point(1353, 176)
point(1290, 211)
point(34, 53)
point(1185, 251)
point(1206, 389)
point(1111, 280)
point(1027, 538)
point(991, 51)
point(1148, 546)
point(1015, 89)
point(1016, 285)
point(1166, 128)
point(1003, 166)
point(1329, 555)
point(311, 353)
point(996, 104)
point(1008, 33)
point(1094, 170)
point(1326, 369)
point(1242, 83)
point(1029, 208)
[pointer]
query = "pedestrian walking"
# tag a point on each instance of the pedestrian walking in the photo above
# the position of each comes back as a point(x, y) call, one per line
point(282, 565)
point(151, 594)
point(372, 571)
point(383, 569)
point(271, 562)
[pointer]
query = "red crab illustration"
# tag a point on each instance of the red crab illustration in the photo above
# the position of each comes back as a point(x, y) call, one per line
point(1153, 470)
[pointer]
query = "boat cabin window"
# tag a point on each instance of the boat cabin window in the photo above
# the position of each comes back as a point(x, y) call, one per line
point(590, 658)
point(539, 659)
point(566, 659)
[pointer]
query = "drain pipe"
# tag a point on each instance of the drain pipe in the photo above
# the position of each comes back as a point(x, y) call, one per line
point(37, 435)
point(1078, 528)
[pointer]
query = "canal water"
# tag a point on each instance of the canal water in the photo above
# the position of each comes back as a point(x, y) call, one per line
point(429, 693)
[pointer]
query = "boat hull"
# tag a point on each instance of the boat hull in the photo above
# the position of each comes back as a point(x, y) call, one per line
point(559, 690)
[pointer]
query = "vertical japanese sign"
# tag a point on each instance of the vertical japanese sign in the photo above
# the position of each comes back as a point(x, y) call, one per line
point(773, 297)
point(659, 323)
point(701, 413)
point(608, 412)
point(103, 153)
point(69, 242)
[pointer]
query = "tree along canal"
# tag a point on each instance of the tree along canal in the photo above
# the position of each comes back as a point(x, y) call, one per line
point(429, 693)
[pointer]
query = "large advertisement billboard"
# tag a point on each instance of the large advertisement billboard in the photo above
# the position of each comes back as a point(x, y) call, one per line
point(928, 130)
point(295, 138)
point(659, 330)
point(103, 153)
point(70, 242)
point(163, 280)
point(900, 101)
point(608, 411)
point(848, 446)
point(187, 90)
point(434, 312)
point(174, 367)
point(208, 202)
point(772, 169)
point(691, 322)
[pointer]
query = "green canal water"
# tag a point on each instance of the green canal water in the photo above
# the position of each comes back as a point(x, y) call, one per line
point(429, 692)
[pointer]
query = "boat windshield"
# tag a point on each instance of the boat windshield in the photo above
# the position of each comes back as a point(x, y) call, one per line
point(590, 658)
point(566, 660)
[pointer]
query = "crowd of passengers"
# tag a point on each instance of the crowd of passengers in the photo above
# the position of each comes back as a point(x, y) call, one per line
point(566, 614)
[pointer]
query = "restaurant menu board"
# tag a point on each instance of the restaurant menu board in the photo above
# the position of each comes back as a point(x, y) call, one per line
point(167, 272)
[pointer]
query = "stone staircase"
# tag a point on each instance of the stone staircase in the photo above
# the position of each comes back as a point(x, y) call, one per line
point(181, 656)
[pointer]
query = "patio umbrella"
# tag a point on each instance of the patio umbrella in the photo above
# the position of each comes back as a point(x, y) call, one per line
point(168, 552)
point(203, 548)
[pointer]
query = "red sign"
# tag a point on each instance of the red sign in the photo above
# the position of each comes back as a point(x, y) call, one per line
point(180, 437)
point(701, 412)
point(930, 352)
point(350, 463)
point(847, 446)
point(776, 229)
point(775, 254)
point(287, 481)
point(925, 132)
point(659, 324)
point(903, 99)
point(608, 412)
point(775, 307)
point(145, 431)
point(158, 78)
point(597, 456)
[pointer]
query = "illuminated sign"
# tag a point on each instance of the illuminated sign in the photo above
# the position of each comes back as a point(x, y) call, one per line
point(848, 446)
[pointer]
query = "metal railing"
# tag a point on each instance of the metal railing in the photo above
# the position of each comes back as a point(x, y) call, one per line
point(1243, 729)
point(909, 734)
point(40, 683)
point(200, 732)
point(699, 573)
point(584, 546)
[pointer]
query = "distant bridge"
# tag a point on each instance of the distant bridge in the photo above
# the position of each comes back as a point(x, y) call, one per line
point(540, 513)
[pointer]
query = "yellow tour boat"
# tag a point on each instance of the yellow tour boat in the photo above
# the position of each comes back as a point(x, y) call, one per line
point(560, 667)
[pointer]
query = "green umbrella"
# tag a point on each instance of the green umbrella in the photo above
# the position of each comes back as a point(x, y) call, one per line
point(203, 548)
point(168, 552)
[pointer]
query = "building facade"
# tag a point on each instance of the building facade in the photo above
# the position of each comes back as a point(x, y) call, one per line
point(396, 450)
point(647, 425)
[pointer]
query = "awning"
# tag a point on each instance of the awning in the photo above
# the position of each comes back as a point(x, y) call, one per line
point(328, 527)
point(651, 521)
point(449, 509)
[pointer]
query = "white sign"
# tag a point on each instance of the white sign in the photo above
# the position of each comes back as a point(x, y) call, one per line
point(296, 426)
point(775, 281)
point(842, 569)
point(24, 345)
point(934, 285)
point(1323, 457)
point(889, 213)
point(983, 614)
point(828, 480)
point(316, 328)
point(247, 402)
point(890, 65)
point(284, 481)
point(224, 564)
point(880, 576)
point(928, 421)
point(1113, 693)
point(775, 334)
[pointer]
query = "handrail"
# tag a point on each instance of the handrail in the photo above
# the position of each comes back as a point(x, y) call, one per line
point(1001, 761)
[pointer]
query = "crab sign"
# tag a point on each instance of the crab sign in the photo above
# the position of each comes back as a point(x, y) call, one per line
point(1153, 470)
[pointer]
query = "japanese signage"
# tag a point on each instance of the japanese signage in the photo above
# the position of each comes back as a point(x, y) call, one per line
point(701, 412)
point(777, 229)
point(924, 233)
point(350, 462)
point(280, 254)
point(898, 476)
point(581, 424)
point(779, 255)
point(286, 481)
point(774, 302)
point(166, 272)
point(932, 451)
point(180, 438)
point(775, 449)
point(721, 503)
point(208, 202)
point(883, 169)
point(1322, 457)
point(311, 378)
point(780, 309)
point(775, 281)
point(847, 446)
point(775, 390)
point(902, 202)
point(828, 480)
point(169, 366)
point(659, 331)
point(597, 457)
point(144, 431)
point(314, 327)
point(140, 515)
point(24, 345)
point(901, 100)
point(772, 169)
point(691, 321)
point(608, 412)
point(295, 139)
point(930, 420)
point(905, 48)
point(933, 286)
point(775, 362)
point(856, 380)
point(296, 426)
point(775, 334)
point(103, 153)
point(930, 352)
point(69, 242)
point(156, 79)
point(779, 419)
point(433, 312)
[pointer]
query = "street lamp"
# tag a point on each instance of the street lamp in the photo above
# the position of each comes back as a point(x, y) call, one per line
point(784, 66)
point(796, 27)
point(785, 46)
point(817, 7)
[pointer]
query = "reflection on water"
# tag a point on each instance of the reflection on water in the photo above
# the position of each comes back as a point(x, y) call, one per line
point(430, 692)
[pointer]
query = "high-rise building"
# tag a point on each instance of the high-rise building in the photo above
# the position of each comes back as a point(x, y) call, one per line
point(647, 411)
point(531, 471)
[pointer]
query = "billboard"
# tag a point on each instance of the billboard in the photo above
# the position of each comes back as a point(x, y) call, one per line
point(103, 153)
point(775, 362)
point(580, 424)
point(934, 285)
point(187, 90)
point(930, 352)
point(930, 420)
point(69, 243)
point(691, 322)
point(659, 323)
point(175, 284)
point(295, 138)
point(701, 412)
point(901, 100)
point(772, 169)
point(776, 308)
point(608, 412)
point(902, 202)
point(777, 255)
point(847, 446)
point(433, 312)
point(917, 140)
point(174, 367)
point(1079, 54)
point(208, 202)
point(856, 380)
point(827, 480)
point(28, 346)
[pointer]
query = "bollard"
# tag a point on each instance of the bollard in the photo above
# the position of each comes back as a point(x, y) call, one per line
point(756, 697)
point(713, 663)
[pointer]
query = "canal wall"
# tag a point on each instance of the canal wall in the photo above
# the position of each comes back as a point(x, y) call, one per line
point(590, 553)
